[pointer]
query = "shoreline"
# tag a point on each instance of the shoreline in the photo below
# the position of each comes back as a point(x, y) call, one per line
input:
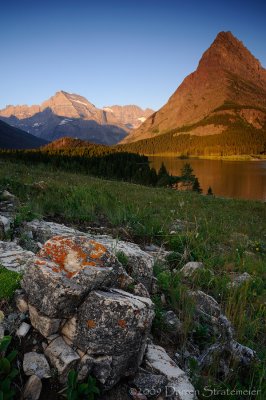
point(221, 158)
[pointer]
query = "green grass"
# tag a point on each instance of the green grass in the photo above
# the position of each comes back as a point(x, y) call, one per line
point(226, 235)
point(9, 282)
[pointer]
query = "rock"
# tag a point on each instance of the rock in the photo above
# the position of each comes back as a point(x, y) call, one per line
point(21, 301)
point(238, 280)
point(136, 395)
point(139, 263)
point(2, 331)
point(5, 224)
point(13, 257)
point(140, 290)
point(66, 269)
point(23, 329)
point(178, 384)
point(7, 196)
point(242, 354)
point(45, 325)
point(85, 366)
point(149, 384)
point(172, 322)
point(191, 267)
point(114, 324)
point(62, 357)
point(70, 328)
point(102, 368)
point(205, 304)
point(227, 353)
point(32, 389)
point(36, 364)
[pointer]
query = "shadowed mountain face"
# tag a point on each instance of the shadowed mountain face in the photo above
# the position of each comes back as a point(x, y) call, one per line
point(14, 138)
point(229, 81)
point(67, 114)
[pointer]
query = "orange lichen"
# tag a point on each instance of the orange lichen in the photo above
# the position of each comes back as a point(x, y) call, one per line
point(122, 323)
point(91, 324)
point(72, 255)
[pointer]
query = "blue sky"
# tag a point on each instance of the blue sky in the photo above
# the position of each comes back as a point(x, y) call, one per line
point(115, 52)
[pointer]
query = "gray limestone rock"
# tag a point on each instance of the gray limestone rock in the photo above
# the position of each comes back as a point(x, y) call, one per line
point(36, 364)
point(13, 257)
point(62, 357)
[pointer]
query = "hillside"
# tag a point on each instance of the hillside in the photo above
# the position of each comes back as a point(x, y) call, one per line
point(227, 90)
point(13, 138)
point(67, 114)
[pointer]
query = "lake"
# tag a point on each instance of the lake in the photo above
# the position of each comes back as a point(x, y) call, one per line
point(235, 179)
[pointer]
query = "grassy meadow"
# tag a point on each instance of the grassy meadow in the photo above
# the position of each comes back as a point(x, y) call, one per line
point(228, 236)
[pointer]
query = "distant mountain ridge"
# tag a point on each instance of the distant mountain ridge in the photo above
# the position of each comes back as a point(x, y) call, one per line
point(14, 138)
point(66, 114)
point(229, 84)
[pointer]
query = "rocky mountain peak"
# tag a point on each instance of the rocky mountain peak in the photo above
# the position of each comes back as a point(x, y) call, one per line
point(230, 54)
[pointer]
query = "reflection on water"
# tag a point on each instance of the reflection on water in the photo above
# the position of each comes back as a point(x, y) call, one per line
point(235, 179)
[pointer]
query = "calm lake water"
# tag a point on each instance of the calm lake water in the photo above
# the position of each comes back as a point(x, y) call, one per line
point(235, 179)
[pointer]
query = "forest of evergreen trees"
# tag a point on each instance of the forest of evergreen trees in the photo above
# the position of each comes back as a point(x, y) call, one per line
point(239, 138)
point(123, 166)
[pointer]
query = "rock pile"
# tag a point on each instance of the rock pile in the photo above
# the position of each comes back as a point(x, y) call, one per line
point(76, 300)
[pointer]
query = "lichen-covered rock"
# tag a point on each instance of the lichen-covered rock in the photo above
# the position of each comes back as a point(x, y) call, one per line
point(13, 257)
point(62, 357)
point(139, 263)
point(114, 324)
point(36, 364)
point(178, 384)
point(65, 270)
point(149, 384)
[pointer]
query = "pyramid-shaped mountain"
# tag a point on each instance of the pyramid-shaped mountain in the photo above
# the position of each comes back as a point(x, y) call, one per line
point(228, 87)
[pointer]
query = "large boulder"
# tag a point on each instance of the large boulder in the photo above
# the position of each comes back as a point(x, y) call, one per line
point(138, 263)
point(65, 270)
point(116, 324)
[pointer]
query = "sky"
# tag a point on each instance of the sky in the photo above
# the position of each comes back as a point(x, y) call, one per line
point(115, 52)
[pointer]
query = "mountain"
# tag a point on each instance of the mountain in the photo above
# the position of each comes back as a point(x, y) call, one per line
point(227, 89)
point(66, 114)
point(130, 116)
point(14, 138)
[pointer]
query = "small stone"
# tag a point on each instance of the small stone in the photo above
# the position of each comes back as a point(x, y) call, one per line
point(2, 331)
point(62, 357)
point(23, 329)
point(238, 280)
point(32, 389)
point(172, 322)
point(85, 366)
point(45, 325)
point(22, 303)
point(36, 364)
point(191, 267)
point(69, 329)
